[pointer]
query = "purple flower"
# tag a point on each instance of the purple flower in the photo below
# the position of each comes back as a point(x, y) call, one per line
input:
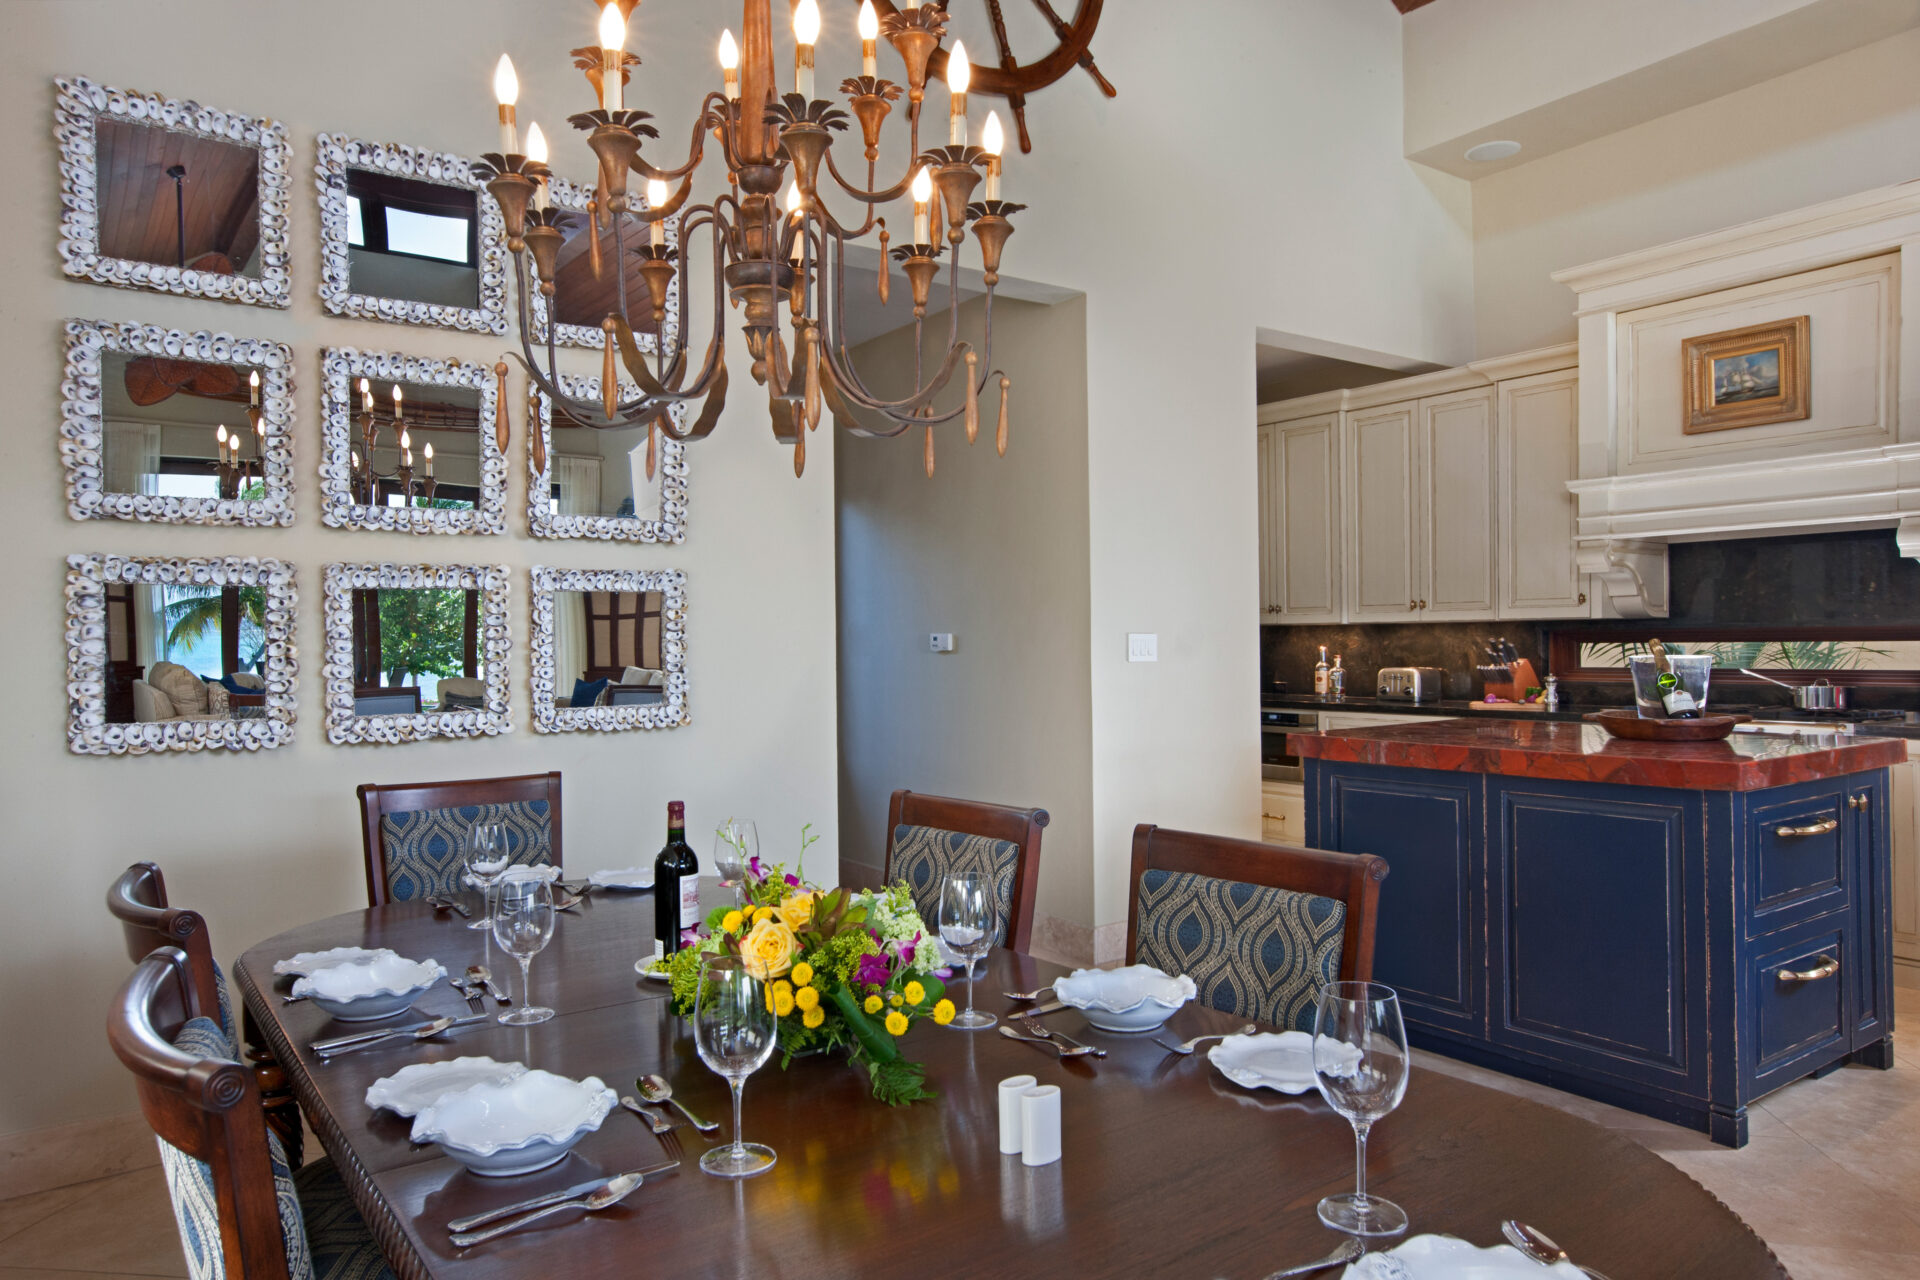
point(945, 974)
point(688, 937)
point(907, 949)
point(753, 867)
point(873, 970)
point(792, 879)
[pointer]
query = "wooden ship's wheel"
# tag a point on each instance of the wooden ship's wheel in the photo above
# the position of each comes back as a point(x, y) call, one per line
point(1013, 79)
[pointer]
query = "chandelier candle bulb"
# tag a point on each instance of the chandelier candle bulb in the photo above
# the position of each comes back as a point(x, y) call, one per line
point(429, 457)
point(613, 44)
point(537, 152)
point(869, 40)
point(993, 141)
point(959, 76)
point(922, 193)
point(253, 388)
point(220, 440)
point(506, 91)
point(366, 397)
point(806, 33)
point(657, 195)
point(730, 66)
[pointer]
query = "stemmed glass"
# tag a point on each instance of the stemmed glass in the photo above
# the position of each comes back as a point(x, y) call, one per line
point(734, 1030)
point(1360, 1063)
point(966, 925)
point(736, 842)
point(523, 925)
point(487, 858)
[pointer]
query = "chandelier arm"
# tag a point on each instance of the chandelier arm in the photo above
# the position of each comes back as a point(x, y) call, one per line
point(866, 196)
point(696, 149)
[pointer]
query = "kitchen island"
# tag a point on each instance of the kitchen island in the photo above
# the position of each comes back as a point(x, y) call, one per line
point(1675, 928)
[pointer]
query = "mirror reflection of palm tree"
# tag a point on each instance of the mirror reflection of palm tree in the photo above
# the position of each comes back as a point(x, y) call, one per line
point(194, 618)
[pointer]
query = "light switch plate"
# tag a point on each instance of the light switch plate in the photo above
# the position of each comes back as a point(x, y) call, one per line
point(940, 642)
point(1143, 646)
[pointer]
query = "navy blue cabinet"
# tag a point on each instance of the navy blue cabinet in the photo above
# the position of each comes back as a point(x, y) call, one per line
point(1677, 952)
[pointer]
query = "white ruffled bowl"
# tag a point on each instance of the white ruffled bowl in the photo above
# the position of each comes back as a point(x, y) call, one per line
point(412, 1089)
point(528, 1123)
point(1446, 1258)
point(366, 990)
point(1136, 998)
point(307, 962)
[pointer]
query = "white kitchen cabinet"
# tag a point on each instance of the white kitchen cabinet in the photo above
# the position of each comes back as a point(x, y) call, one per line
point(1455, 553)
point(1539, 452)
point(1383, 526)
point(1283, 812)
point(1905, 794)
point(1300, 529)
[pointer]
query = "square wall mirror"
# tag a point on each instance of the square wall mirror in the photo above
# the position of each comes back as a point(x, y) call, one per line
point(173, 196)
point(409, 236)
point(618, 485)
point(585, 284)
point(178, 428)
point(409, 445)
point(178, 655)
point(416, 652)
point(609, 649)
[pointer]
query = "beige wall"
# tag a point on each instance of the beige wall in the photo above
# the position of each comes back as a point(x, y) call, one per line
point(262, 842)
point(1840, 126)
point(993, 550)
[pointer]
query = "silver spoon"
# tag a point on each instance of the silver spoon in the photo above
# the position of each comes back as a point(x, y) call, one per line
point(613, 1193)
point(654, 1122)
point(1536, 1244)
point(1060, 1049)
point(656, 1090)
point(478, 975)
point(1349, 1249)
point(1039, 1028)
point(1034, 994)
point(1187, 1046)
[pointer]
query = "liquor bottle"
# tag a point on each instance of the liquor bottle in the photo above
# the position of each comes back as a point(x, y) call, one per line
point(1674, 698)
point(676, 885)
point(1320, 674)
point(1337, 679)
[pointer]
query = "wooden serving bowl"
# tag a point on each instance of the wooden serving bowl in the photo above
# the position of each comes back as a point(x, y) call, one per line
point(1622, 723)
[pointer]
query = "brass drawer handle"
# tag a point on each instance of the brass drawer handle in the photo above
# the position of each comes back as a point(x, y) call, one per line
point(1827, 967)
point(1857, 802)
point(1819, 828)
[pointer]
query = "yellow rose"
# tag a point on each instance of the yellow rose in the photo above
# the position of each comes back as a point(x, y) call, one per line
point(808, 998)
point(782, 1003)
point(732, 921)
point(915, 993)
point(802, 974)
point(872, 1005)
point(768, 951)
point(813, 1016)
point(943, 1012)
point(797, 910)
point(896, 1023)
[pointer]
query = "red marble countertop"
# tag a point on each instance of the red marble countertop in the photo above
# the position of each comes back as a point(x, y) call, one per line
point(1588, 753)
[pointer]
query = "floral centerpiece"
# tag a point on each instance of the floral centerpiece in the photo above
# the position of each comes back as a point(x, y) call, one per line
point(847, 971)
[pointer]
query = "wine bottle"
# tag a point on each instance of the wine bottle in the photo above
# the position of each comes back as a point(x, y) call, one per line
point(1320, 674)
point(676, 885)
point(1674, 698)
point(1336, 679)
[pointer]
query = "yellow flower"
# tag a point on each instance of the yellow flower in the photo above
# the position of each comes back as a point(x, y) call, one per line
point(763, 913)
point(814, 1014)
point(782, 1002)
point(915, 993)
point(768, 951)
point(808, 998)
point(802, 974)
point(797, 910)
point(896, 1023)
point(872, 1005)
point(943, 1012)
point(894, 999)
point(732, 921)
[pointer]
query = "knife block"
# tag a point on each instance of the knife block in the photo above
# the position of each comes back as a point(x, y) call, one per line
point(1510, 682)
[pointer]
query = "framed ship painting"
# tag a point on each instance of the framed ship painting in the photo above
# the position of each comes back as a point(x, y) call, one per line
point(1748, 377)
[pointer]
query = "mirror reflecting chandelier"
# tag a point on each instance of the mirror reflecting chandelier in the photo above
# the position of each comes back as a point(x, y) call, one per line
point(768, 253)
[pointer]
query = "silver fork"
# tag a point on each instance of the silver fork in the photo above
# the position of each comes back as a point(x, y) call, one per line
point(1080, 1052)
point(1187, 1046)
point(1040, 1029)
point(663, 1128)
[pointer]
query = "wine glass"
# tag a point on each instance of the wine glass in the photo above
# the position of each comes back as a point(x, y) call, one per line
point(734, 1029)
point(523, 925)
point(487, 858)
point(1360, 1064)
point(736, 842)
point(966, 925)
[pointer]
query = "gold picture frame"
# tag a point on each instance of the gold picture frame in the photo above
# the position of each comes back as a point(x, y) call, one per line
point(1748, 377)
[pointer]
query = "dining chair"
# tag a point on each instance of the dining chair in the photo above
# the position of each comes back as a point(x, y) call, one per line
point(1258, 927)
point(416, 832)
point(240, 1209)
point(931, 837)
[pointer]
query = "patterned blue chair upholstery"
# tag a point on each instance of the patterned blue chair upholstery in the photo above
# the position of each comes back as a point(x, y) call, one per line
point(923, 857)
point(1253, 951)
point(426, 849)
point(326, 1239)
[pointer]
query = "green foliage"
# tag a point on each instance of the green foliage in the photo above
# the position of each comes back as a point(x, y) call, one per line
point(1761, 655)
point(422, 632)
point(193, 618)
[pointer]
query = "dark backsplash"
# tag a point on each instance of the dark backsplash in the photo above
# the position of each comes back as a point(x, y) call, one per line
point(1288, 653)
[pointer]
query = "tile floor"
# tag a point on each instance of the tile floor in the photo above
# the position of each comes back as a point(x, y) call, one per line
point(1830, 1163)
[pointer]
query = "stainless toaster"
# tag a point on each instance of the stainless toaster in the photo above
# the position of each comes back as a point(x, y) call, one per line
point(1418, 684)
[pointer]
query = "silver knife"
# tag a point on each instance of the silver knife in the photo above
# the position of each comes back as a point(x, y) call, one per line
point(1051, 1006)
point(555, 1197)
point(361, 1041)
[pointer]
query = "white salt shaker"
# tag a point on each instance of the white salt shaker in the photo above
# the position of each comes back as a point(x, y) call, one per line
point(1011, 1123)
point(1040, 1122)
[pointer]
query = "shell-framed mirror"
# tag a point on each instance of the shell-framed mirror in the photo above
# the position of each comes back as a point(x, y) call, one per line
point(609, 649)
point(615, 485)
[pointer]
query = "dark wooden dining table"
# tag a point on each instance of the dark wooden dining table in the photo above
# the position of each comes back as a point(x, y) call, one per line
point(1168, 1169)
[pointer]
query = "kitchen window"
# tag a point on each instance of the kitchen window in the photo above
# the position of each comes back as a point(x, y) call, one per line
point(1858, 656)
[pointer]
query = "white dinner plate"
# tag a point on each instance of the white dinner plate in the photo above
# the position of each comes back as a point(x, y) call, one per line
point(1446, 1258)
point(629, 878)
point(646, 970)
point(1282, 1061)
point(412, 1089)
point(307, 961)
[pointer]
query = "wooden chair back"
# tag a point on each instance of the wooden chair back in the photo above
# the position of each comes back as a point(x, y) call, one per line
point(138, 900)
point(1352, 878)
point(208, 1109)
point(976, 818)
point(377, 800)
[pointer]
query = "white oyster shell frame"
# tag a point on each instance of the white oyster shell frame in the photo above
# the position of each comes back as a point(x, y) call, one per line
point(669, 526)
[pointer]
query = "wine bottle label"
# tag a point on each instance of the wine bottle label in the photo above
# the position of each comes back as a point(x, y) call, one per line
point(689, 901)
point(659, 949)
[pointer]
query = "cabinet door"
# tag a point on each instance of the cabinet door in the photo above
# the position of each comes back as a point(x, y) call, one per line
point(1539, 452)
point(1456, 537)
point(1272, 541)
point(1905, 793)
point(1301, 559)
point(1383, 581)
